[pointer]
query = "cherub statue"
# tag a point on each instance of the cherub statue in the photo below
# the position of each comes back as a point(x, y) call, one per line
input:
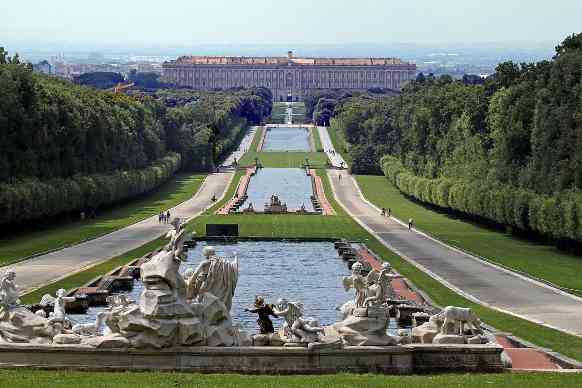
point(307, 329)
point(380, 288)
point(58, 315)
point(296, 328)
point(291, 311)
point(358, 283)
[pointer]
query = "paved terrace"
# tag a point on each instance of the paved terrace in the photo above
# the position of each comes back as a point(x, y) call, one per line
point(474, 278)
point(47, 268)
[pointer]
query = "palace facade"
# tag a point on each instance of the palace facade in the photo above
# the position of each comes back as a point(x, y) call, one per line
point(289, 78)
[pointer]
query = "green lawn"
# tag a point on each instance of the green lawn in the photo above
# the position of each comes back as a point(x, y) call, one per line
point(541, 261)
point(178, 189)
point(317, 140)
point(284, 159)
point(57, 379)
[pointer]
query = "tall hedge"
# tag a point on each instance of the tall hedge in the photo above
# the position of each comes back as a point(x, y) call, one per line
point(52, 128)
point(558, 216)
point(31, 198)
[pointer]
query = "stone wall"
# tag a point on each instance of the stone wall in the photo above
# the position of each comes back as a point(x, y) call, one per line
point(264, 360)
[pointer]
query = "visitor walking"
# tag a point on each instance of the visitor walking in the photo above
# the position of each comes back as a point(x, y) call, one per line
point(389, 212)
point(339, 177)
point(410, 224)
point(160, 218)
point(383, 212)
point(167, 216)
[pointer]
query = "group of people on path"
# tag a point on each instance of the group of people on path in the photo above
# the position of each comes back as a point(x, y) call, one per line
point(164, 217)
point(388, 213)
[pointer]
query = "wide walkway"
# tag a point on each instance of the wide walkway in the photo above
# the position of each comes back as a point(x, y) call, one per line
point(470, 276)
point(40, 270)
point(243, 147)
point(334, 157)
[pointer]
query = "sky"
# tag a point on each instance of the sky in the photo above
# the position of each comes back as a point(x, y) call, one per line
point(190, 22)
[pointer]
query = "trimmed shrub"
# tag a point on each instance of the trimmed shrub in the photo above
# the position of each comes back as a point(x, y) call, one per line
point(554, 216)
point(32, 199)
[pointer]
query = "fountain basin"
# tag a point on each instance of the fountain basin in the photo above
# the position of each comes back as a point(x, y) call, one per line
point(260, 360)
point(281, 138)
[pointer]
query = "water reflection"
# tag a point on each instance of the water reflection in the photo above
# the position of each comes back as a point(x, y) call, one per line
point(291, 184)
point(287, 139)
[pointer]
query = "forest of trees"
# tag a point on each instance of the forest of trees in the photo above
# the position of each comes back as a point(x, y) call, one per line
point(508, 151)
point(100, 79)
point(66, 147)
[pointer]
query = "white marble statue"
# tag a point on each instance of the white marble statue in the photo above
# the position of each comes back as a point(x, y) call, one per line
point(365, 319)
point(8, 290)
point(191, 309)
point(379, 289)
point(177, 238)
point(455, 318)
point(90, 329)
point(358, 283)
point(18, 324)
point(59, 303)
point(449, 327)
point(214, 275)
point(296, 328)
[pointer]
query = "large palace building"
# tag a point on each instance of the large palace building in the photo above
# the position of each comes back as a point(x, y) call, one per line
point(289, 78)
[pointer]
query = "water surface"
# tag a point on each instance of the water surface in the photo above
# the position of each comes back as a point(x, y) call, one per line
point(287, 139)
point(292, 185)
point(308, 272)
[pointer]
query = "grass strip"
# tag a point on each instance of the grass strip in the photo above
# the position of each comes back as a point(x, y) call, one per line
point(284, 159)
point(317, 139)
point(17, 378)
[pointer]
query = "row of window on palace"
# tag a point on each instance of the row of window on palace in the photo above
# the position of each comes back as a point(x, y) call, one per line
point(280, 76)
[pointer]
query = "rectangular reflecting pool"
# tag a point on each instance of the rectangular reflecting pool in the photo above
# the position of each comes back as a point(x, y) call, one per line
point(292, 185)
point(287, 139)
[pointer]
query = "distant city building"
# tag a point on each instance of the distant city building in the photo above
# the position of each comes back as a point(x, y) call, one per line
point(289, 78)
point(43, 67)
